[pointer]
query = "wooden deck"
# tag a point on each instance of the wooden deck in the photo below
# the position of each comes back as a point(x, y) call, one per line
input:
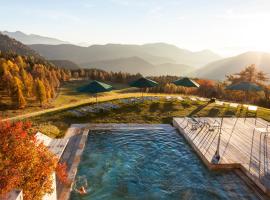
point(240, 146)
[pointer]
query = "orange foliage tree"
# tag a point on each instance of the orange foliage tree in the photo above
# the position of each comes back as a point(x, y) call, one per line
point(207, 88)
point(24, 163)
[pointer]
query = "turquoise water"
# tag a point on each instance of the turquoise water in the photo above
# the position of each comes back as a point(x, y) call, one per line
point(151, 164)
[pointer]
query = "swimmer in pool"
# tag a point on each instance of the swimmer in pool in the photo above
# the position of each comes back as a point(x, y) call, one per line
point(82, 190)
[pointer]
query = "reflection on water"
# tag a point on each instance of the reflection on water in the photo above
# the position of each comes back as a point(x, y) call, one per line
point(151, 164)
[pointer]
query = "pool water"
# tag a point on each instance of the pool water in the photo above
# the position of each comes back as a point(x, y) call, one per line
point(151, 164)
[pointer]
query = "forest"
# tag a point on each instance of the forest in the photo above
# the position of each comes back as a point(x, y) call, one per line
point(24, 79)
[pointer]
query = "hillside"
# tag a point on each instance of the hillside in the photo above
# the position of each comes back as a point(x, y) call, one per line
point(173, 69)
point(131, 65)
point(219, 69)
point(32, 38)
point(158, 53)
point(9, 45)
point(180, 56)
point(94, 53)
point(65, 64)
point(26, 77)
point(134, 65)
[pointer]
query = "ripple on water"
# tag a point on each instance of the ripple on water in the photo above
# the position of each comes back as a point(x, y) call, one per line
point(151, 164)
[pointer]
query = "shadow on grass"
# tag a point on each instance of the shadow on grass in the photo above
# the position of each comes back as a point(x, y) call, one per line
point(186, 104)
point(198, 109)
point(154, 107)
point(168, 107)
point(229, 113)
point(167, 120)
point(213, 112)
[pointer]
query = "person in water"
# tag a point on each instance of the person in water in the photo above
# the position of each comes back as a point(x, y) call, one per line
point(82, 190)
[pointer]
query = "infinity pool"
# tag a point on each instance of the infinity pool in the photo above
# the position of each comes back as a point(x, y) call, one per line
point(149, 164)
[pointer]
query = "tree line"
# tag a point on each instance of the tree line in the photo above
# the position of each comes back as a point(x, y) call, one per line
point(24, 78)
point(101, 75)
point(217, 89)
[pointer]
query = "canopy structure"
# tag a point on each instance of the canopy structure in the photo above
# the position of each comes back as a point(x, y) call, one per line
point(96, 87)
point(245, 86)
point(186, 82)
point(143, 83)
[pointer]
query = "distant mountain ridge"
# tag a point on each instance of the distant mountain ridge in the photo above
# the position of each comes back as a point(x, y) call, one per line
point(157, 53)
point(10, 45)
point(33, 38)
point(65, 64)
point(147, 59)
point(219, 69)
point(134, 65)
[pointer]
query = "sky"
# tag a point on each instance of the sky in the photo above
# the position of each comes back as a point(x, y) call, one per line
point(227, 27)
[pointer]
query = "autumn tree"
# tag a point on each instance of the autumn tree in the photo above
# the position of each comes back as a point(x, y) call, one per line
point(41, 92)
point(24, 163)
point(253, 75)
point(17, 94)
point(32, 73)
point(249, 74)
point(207, 88)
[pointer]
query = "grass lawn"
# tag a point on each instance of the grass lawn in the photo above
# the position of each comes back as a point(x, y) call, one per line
point(161, 111)
point(68, 92)
point(68, 96)
point(55, 121)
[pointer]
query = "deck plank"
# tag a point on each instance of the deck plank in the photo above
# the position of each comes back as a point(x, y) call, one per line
point(240, 147)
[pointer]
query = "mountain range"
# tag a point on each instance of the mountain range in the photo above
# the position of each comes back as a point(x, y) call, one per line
point(10, 45)
point(32, 38)
point(219, 69)
point(67, 64)
point(136, 64)
point(157, 53)
point(147, 59)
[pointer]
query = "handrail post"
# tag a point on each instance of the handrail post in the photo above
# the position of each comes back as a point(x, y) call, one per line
point(216, 157)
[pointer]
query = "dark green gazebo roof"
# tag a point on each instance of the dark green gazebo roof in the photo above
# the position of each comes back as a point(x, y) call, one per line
point(244, 86)
point(186, 82)
point(143, 83)
point(96, 87)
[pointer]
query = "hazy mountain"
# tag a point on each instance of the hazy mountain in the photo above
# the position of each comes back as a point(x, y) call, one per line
point(10, 45)
point(94, 53)
point(66, 64)
point(174, 69)
point(158, 53)
point(181, 56)
point(219, 69)
point(32, 38)
point(136, 64)
point(131, 65)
